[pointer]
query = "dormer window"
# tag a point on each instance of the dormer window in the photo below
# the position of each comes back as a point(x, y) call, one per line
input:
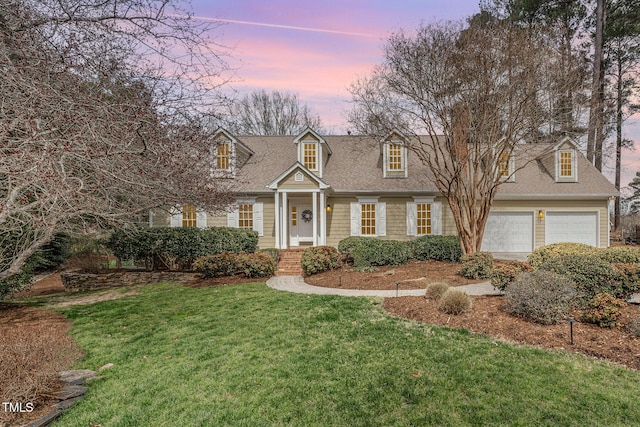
point(566, 165)
point(506, 166)
point(395, 160)
point(310, 155)
point(223, 156)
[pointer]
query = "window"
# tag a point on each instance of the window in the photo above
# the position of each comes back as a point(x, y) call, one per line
point(189, 216)
point(423, 218)
point(245, 216)
point(503, 165)
point(368, 219)
point(222, 155)
point(395, 157)
point(566, 164)
point(294, 216)
point(309, 158)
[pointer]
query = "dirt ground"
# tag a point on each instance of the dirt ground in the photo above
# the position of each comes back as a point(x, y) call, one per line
point(487, 315)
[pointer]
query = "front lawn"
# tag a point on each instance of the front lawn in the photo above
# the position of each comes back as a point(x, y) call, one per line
point(249, 355)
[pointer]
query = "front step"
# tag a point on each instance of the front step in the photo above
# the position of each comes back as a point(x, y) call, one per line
point(289, 264)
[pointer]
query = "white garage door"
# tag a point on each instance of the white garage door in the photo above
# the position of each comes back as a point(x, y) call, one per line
point(508, 232)
point(579, 227)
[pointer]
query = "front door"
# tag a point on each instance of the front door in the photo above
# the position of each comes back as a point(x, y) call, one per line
point(300, 223)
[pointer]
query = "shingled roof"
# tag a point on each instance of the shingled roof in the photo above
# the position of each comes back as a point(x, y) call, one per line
point(356, 162)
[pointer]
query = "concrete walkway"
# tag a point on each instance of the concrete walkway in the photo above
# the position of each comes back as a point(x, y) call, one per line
point(296, 284)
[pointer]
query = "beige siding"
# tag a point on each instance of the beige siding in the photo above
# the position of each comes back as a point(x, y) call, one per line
point(160, 219)
point(339, 220)
point(290, 183)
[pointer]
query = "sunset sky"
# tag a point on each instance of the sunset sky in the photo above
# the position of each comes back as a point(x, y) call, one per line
point(318, 48)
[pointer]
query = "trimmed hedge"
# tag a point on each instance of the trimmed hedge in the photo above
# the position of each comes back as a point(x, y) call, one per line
point(364, 252)
point(319, 258)
point(177, 248)
point(555, 250)
point(441, 248)
point(229, 264)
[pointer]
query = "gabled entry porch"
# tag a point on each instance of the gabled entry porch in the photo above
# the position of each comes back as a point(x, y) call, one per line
point(300, 208)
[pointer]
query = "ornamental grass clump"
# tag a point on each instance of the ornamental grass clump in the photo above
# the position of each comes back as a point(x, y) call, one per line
point(541, 296)
point(435, 290)
point(454, 301)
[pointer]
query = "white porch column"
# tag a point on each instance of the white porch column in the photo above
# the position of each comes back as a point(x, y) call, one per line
point(285, 222)
point(323, 219)
point(278, 216)
point(314, 207)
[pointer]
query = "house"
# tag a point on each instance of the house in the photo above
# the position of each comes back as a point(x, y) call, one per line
point(317, 190)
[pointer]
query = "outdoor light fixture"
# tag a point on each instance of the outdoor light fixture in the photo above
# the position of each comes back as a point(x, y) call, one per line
point(571, 321)
point(541, 214)
point(328, 208)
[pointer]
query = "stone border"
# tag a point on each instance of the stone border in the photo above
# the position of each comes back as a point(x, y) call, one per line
point(75, 281)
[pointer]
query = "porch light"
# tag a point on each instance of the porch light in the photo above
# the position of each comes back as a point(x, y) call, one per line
point(328, 208)
point(541, 214)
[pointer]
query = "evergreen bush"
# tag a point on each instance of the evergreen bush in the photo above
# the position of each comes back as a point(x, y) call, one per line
point(319, 258)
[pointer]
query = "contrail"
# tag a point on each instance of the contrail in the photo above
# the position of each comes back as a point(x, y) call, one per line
point(285, 27)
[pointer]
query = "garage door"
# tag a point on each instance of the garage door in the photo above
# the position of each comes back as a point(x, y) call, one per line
point(579, 227)
point(508, 232)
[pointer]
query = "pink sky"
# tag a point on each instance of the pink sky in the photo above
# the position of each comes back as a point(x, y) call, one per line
point(318, 48)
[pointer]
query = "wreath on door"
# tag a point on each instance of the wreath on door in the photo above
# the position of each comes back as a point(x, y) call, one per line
point(307, 215)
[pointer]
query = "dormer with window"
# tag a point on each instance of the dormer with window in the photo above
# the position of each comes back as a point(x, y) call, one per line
point(229, 154)
point(313, 151)
point(566, 161)
point(506, 167)
point(394, 155)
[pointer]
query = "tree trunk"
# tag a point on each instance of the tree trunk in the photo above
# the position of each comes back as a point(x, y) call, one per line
point(596, 98)
point(616, 223)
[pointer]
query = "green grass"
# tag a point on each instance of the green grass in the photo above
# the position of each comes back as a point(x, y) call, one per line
point(251, 356)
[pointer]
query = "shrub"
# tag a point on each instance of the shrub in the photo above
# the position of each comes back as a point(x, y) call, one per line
point(230, 263)
point(320, 258)
point(366, 252)
point(441, 248)
point(224, 264)
point(435, 290)
point(555, 250)
point(634, 327)
point(505, 272)
point(620, 254)
point(178, 247)
point(477, 266)
point(630, 276)
point(454, 301)
point(541, 296)
point(603, 310)
point(591, 274)
point(256, 264)
point(274, 253)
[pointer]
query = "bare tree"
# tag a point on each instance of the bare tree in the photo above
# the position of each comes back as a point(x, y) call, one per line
point(275, 113)
point(93, 132)
point(465, 97)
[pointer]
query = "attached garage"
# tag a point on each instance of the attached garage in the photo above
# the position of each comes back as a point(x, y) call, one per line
point(579, 227)
point(508, 232)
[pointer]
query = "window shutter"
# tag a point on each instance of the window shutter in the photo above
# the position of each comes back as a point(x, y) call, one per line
point(412, 214)
point(201, 218)
point(381, 220)
point(232, 218)
point(176, 217)
point(436, 218)
point(258, 218)
point(355, 218)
